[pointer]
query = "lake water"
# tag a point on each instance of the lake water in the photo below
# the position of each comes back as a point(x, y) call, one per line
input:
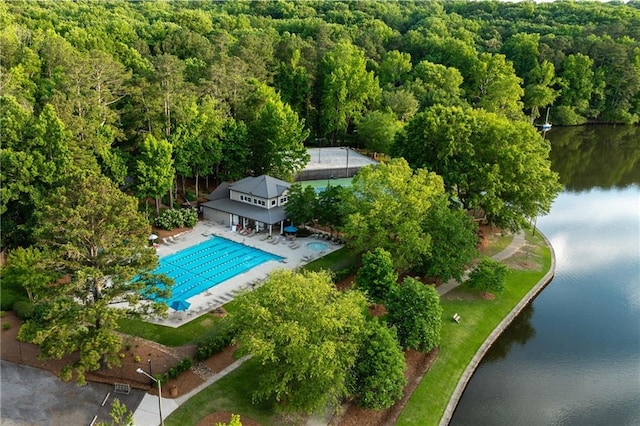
point(573, 355)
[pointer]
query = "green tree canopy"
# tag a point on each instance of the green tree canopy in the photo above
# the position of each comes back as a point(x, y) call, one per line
point(301, 204)
point(275, 133)
point(377, 277)
point(305, 334)
point(377, 379)
point(154, 169)
point(453, 243)
point(348, 89)
point(493, 165)
point(92, 236)
point(389, 203)
point(378, 129)
point(414, 310)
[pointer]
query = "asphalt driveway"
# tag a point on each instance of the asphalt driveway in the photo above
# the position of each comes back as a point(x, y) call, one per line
point(29, 396)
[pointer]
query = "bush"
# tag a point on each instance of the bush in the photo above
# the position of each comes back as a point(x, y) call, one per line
point(489, 276)
point(215, 344)
point(184, 364)
point(177, 218)
point(23, 309)
point(6, 325)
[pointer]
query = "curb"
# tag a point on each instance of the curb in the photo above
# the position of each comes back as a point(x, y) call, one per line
point(493, 336)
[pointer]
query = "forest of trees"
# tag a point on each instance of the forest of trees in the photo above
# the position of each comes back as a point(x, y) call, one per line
point(152, 93)
point(105, 106)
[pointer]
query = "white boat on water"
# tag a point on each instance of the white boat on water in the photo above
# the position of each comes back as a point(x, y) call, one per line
point(546, 126)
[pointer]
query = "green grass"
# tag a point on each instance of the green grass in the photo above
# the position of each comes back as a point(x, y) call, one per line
point(335, 261)
point(190, 333)
point(498, 243)
point(460, 342)
point(231, 393)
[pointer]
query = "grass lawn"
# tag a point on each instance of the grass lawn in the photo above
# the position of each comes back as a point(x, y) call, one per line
point(497, 243)
point(458, 345)
point(335, 261)
point(231, 393)
point(190, 333)
point(460, 342)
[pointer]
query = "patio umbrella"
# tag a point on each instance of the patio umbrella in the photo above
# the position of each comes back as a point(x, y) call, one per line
point(153, 237)
point(180, 305)
point(290, 228)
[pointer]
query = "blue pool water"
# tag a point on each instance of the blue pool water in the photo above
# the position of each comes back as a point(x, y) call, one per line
point(318, 246)
point(205, 265)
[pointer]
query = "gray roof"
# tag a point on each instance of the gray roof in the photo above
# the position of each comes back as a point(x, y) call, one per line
point(221, 192)
point(269, 216)
point(262, 186)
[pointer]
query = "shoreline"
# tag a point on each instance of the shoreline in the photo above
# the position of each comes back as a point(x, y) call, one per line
point(493, 336)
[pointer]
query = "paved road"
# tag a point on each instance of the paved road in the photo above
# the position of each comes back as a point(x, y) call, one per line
point(29, 396)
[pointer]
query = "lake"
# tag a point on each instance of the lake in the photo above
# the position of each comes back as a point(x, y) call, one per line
point(572, 357)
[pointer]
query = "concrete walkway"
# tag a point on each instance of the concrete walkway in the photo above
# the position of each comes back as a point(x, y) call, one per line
point(147, 411)
point(516, 243)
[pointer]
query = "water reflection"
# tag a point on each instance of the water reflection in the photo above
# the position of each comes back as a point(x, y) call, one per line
point(573, 357)
point(596, 156)
point(519, 331)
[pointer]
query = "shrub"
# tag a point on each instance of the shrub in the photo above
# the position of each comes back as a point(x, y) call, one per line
point(2, 314)
point(215, 344)
point(489, 276)
point(183, 365)
point(6, 325)
point(189, 217)
point(23, 309)
point(177, 218)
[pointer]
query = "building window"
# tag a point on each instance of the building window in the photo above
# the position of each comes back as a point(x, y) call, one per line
point(273, 202)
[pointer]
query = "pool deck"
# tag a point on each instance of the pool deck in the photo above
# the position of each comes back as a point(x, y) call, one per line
point(227, 290)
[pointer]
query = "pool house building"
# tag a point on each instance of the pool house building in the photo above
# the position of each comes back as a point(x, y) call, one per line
point(253, 202)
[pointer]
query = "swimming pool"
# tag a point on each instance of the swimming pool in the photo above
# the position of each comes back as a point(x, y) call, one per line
point(318, 246)
point(205, 265)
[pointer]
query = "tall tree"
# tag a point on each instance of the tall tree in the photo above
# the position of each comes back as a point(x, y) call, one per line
point(576, 82)
point(480, 156)
point(377, 129)
point(275, 132)
point(154, 169)
point(377, 380)
point(96, 241)
point(348, 89)
point(415, 310)
point(301, 204)
point(434, 84)
point(389, 205)
point(453, 243)
point(196, 141)
point(495, 86)
point(304, 334)
point(376, 277)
